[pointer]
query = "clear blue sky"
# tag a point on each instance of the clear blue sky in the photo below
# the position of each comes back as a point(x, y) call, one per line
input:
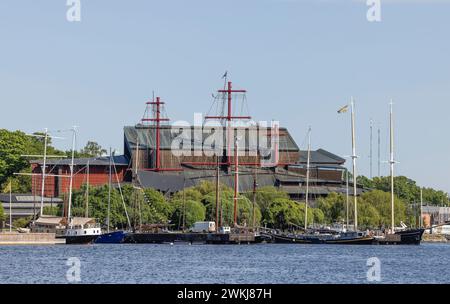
point(299, 60)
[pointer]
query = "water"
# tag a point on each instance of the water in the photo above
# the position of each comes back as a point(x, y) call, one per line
point(263, 263)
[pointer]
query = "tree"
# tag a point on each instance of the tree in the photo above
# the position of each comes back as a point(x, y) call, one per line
point(93, 149)
point(265, 196)
point(14, 144)
point(53, 210)
point(2, 213)
point(381, 202)
point(192, 211)
point(333, 207)
point(283, 213)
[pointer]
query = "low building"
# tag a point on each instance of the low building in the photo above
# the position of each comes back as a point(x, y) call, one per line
point(26, 205)
point(435, 215)
point(97, 168)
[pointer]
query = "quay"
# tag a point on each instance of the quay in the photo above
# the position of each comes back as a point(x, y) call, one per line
point(15, 238)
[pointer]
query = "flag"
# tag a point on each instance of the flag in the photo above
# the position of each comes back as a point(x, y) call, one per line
point(225, 75)
point(344, 109)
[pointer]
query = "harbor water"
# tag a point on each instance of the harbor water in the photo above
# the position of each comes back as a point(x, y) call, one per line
point(262, 263)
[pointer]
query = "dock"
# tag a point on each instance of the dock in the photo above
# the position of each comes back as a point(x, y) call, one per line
point(15, 238)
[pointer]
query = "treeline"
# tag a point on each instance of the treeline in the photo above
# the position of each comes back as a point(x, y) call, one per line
point(273, 207)
point(15, 144)
point(406, 189)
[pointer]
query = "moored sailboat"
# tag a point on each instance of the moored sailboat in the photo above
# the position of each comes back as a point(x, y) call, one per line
point(394, 236)
point(118, 236)
point(84, 232)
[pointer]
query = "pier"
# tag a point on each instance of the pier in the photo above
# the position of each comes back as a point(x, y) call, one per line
point(13, 238)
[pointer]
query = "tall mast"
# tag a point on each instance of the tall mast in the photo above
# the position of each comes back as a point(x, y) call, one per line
point(421, 204)
point(354, 164)
point(347, 196)
point(44, 165)
point(379, 152)
point(217, 193)
point(109, 190)
point(69, 215)
point(371, 147)
point(229, 117)
point(255, 185)
point(307, 178)
point(391, 163)
point(87, 190)
point(10, 206)
point(236, 179)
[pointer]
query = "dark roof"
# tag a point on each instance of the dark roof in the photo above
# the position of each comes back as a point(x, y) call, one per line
point(147, 137)
point(321, 156)
point(27, 198)
point(173, 182)
point(120, 160)
point(162, 182)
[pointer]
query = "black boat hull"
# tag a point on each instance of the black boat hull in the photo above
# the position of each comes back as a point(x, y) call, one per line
point(406, 237)
point(81, 239)
point(281, 239)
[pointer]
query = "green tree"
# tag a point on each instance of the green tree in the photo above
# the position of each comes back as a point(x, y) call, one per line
point(53, 210)
point(265, 196)
point(334, 207)
point(381, 202)
point(285, 213)
point(2, 213)
point(93, 149)
point(192, 211)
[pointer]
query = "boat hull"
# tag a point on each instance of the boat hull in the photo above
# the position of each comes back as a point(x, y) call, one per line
point(283, 239)
point(116, 237)
point(81, 239)
point(406, 237)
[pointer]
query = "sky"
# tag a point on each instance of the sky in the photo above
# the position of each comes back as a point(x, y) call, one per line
point(299, 60)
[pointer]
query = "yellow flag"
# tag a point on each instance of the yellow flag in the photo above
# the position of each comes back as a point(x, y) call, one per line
point(343, 109)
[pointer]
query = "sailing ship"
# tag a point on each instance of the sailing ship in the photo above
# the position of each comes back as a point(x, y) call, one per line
point(315, 236)
point(395, 236)
point(78, 232)
point(118, 236)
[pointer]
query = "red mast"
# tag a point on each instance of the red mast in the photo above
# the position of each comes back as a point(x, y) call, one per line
point(229, 117)
point(157, 120)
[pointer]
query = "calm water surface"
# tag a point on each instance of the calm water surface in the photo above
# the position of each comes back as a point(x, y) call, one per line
point(263, 263)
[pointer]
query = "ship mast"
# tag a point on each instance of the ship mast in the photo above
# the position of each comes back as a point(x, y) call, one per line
point(354, 157)
point(217, 193)
point(69, 216)
point(347, 198)
point(109, 191)
point(236, 179)
point(87, 190)
point(307, 178)
point(44, 165)
point(391, 163)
